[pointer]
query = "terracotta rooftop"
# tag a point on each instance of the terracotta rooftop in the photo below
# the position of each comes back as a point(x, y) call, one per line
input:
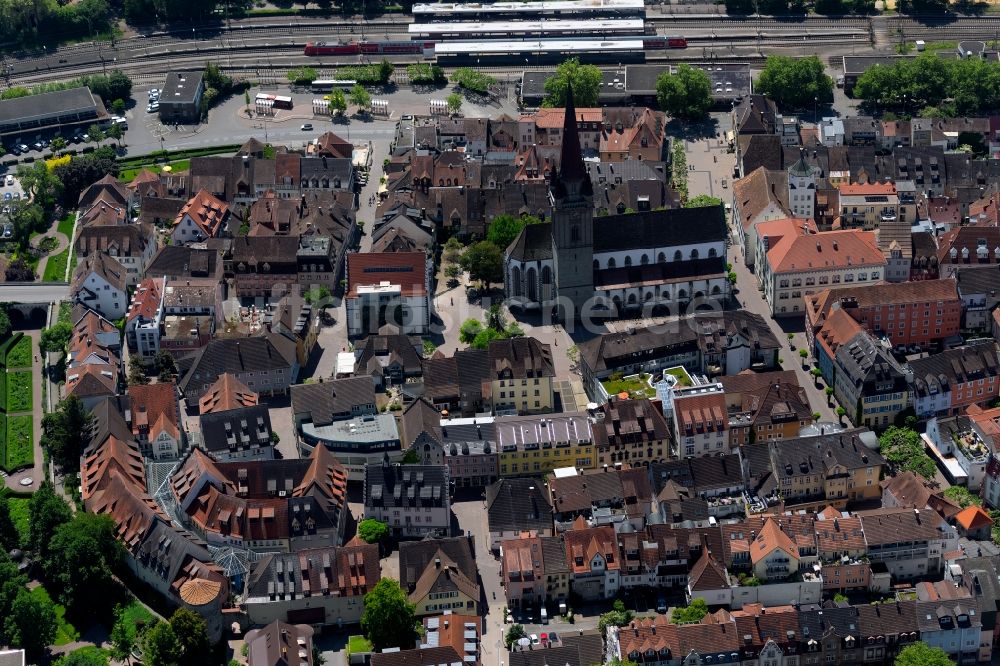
point(226, 393)
point(405, 269)
point(831, 249)
point(206, 211)
point(973, 518)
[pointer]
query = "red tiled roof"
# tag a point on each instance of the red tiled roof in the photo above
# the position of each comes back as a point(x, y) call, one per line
point(146, 300)
point(206, 211)
point(858, 189)
point(701, 411)
point(831, 249)
point(154, 409)
point(973, 518)
point(406, 269)
point(226, 393)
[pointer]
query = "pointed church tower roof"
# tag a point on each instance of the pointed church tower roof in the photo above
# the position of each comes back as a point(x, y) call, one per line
point(571, 166)
point(801, 167)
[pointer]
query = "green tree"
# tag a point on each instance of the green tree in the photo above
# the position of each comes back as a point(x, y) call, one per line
point(116, 85)
point(385, 70)
point(4, 322)
point(12, 582)
point(83, 555)
point(95, 133)
point(495, 318)
point(246, 99)
point(31, 624)
point(137, 371)
point(696, 610)
point(116, 132)
point(585, 79)
point(686, 93)
point(484, 262)
point(89, 655)
point(160, 646)
point(64, 433)
point(903, 449)
point(614, 618)
point(9, 536)
point(338, 102)
point(44, 186)
point(387, 618)
point(25, 220)
point(485, 337)
point(795, 83)
point(469, 330)
point(504, 229)
point(962, 496)
point(58, 144)
point(360, 97)
point(191, 631)
point(302, 76)
point(123, 637)
point(841, 412)
point(47, 512)
point(921, 654)
point(82, 171)
point(454, 102)
point(470, 79)
point(372, 531)
point(703, 201)
point(514, 633)
point(164, 363)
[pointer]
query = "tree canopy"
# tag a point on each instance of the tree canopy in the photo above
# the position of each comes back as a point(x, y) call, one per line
point(191, 631)
point(160, 646)
point(338, 102)
point(505, 228)
point(694, 611)
point(360, 97)
point(921, 654)
point(31, 623)
point(64, 433)
point(904, 451)
point(685, 94)
point(703, 201)
point(372, 531)
point(795, 83)
point(47, 512)
point(585, 79)
point(89, 655)
point(387, 619)
point(948, 87)
point(962, 496)
point(484, 262)
point(56, 337)
point(83, 555)
point(9, 536)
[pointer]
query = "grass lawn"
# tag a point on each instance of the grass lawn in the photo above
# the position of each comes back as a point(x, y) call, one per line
point(65, 632)
point(55, 268)
point(637, 386)
point(19, 356)
point(20, 452)
point(357, 644)
point(683, 379)
point(19, 390)
point(127, 175)
point(20, 514)
point(66, 225)
point(135, 613)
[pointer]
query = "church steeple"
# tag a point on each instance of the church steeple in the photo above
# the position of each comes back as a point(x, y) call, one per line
point(572, 177)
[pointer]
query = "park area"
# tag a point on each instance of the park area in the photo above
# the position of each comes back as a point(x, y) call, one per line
point(16, 404)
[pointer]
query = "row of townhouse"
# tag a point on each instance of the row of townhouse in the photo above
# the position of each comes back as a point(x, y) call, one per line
point(762, 559)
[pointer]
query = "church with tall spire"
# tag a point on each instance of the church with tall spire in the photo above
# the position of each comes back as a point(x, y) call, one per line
point(575, 265)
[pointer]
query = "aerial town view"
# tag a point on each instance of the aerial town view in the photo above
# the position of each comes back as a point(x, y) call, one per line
point(499, 332)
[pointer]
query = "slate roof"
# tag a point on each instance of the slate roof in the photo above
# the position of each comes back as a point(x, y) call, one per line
point(460, 375)
point(180, 261)
point(534, 243)
point(234, 355)
point(518, 504)
point(331, 400)
point(889, 526)
point(416, 556)
point(585, 649)
point(954, 366)
point(249, 427)
point(659, 228)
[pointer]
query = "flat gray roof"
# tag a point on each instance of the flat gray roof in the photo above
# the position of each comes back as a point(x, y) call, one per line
point(47, 105)
point(357, 431)
point(181, 87)
point(729, 81)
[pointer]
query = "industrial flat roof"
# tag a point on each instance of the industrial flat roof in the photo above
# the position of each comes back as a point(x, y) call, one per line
point(729, 80)
point(545, 45)
point(181, 87)
point(537, 26)
point(519, 7)
point(47, 105)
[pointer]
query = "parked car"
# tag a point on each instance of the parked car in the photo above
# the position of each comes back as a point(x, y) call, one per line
point(9, 180)
point(7, 196)
point(307, 127)
point(534, 639)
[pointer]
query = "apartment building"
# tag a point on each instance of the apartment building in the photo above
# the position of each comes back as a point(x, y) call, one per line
point(867, 205)
point(536, 445)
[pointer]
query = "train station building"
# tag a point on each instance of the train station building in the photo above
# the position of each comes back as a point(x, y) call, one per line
point(60, 110)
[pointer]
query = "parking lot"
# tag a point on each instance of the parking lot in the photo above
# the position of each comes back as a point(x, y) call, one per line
point(12, 196)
